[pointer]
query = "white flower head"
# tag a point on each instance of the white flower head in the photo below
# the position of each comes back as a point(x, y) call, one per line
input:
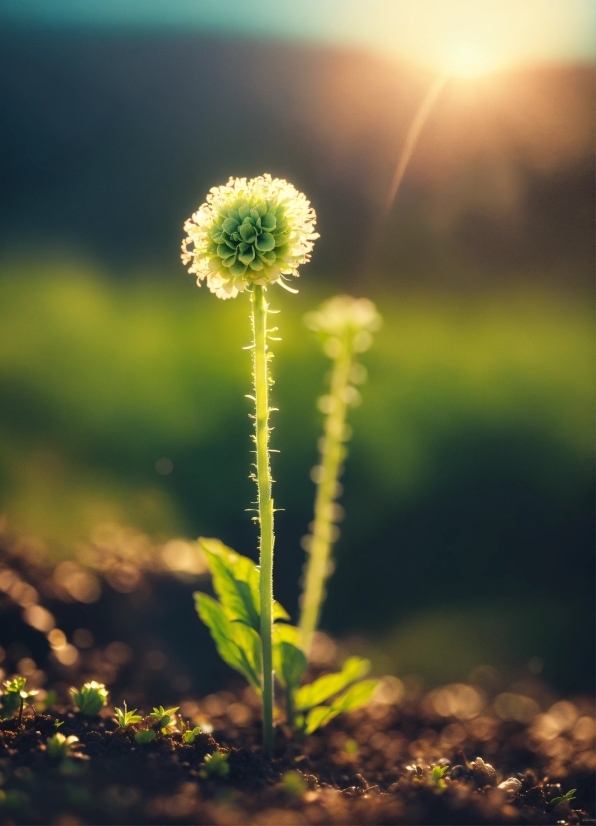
point(344, 316)
point(249, 232)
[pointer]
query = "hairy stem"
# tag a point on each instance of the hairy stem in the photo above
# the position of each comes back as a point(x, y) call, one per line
point(332, 455)
point(265, 504)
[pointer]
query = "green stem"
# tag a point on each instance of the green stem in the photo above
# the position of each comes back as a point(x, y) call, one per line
point(265, 504)
point(331, 459)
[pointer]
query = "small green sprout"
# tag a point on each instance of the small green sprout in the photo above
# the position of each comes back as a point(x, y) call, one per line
point(216, 765)
point(164, 717)
point(126, 718)
point(59, 747)
point(436, 777)
point(564, 798)
point(14, 697)
point(146, 735)
point(294, 784)
point(58, 723)
point(189, 735)
point(421, 774)
point(351, 747)
point(91, 698)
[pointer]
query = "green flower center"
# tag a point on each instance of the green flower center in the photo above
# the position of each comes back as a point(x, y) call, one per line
point(247, 237)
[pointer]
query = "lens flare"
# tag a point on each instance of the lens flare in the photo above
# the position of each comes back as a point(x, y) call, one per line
point(468, 59)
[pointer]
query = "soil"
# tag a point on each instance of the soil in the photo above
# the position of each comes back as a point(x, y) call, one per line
point(369, 767)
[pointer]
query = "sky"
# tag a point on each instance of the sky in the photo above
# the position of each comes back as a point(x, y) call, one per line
point(467, 36)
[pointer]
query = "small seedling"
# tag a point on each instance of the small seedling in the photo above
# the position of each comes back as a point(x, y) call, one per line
point(126, 718)
point(351, 747)
point(564, 798)
point(14, 697)
point(91, 698)
point(164, 717)
point(436, 777)
point(58, 723)
point(146, 735)
point(189, 735)
point(294, 784)
point(59, 747)
point(216, 765)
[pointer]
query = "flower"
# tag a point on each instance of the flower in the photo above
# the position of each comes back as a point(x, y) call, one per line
point(249, 232)
point(344, 316)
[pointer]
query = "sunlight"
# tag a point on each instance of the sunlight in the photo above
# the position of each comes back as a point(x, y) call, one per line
point(467, 59)
point(467, 38)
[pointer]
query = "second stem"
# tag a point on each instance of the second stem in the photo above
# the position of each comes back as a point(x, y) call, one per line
point(265, 505)
point(332, 454)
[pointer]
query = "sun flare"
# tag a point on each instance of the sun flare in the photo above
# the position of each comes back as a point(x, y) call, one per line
point(468, 59)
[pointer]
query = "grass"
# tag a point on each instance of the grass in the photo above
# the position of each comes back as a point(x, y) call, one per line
point(101, 378)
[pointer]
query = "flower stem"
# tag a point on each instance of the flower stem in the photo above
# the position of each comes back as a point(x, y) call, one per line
point(332, 455)
point(265, 504)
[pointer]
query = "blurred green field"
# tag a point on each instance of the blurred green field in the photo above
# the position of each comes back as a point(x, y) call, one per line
point(470, 475)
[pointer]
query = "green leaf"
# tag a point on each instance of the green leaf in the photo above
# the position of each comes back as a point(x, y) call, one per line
point(320, 690)
point(235, 580)
point(236, 583)
point(191, 735)
point(249, 644)
point(145, 736)
point(564, 798)
point(289, 661)
point(317, 717)
point(216, 765)
point(279, 612)
point(355, 697)
point(163, 715)
point(237, 644)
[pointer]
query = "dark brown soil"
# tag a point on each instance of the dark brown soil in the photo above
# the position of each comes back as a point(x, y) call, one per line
point(371, 767)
